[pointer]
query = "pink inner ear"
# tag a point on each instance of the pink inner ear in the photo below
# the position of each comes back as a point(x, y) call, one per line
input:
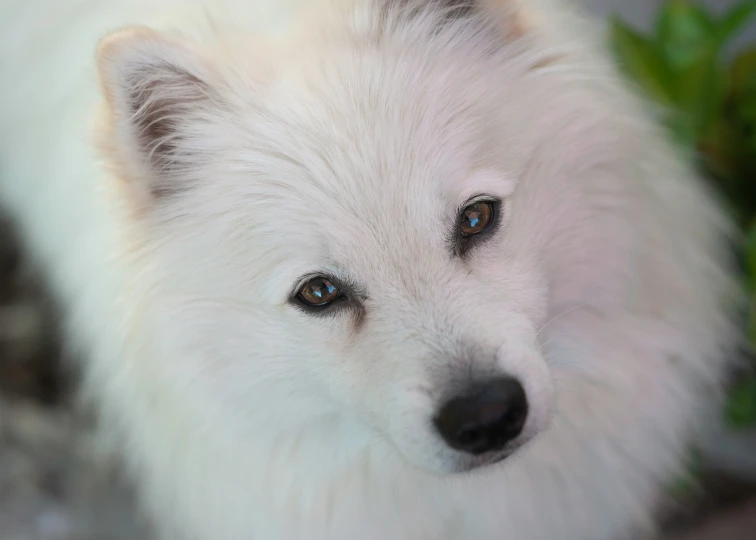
point(159, 96)
point(157, 93)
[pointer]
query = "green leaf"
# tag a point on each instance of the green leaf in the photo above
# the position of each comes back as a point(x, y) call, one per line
point(685, 33)
point(742, 107)
point(640, 59)
point(751, 326)
point(718, 149)
point(682, 129)
point(750, 250)
point(735, 19)
point(743, 73)
point(689, 481)
point(702, 90)
point(750, 261)
point(741, 404)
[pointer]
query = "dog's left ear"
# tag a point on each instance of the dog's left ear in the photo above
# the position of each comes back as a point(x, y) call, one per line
point(160, 92)
point(514, 18)
point(451, 9)
point(457, 8)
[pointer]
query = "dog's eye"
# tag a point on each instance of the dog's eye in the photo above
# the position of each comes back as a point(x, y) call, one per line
point(476, 223)
point(318, 292)
point(476, 218)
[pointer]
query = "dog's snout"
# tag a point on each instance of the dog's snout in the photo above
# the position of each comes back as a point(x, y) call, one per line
point(485, 418)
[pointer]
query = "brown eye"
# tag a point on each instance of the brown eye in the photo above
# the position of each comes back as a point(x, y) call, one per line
point(318, 292)
point(476, 218)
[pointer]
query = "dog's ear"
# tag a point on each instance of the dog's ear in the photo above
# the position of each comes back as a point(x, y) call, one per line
point(514, 18)
point(448, 9)
point(457, 9)
point(158, 92)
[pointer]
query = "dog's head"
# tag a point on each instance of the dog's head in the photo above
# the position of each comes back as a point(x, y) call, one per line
point(343, 223)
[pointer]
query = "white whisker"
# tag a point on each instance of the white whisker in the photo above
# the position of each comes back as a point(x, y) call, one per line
point(565, 312)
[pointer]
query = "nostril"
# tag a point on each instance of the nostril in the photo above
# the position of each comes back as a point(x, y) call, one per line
point(470, 437)
point(485, 418)
point(515, 418)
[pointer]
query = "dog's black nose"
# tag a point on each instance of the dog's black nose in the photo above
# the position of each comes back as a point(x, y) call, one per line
point(485, 418)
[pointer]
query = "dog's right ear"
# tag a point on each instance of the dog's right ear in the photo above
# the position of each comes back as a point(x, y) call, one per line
point(159, 92)
point(514, 18)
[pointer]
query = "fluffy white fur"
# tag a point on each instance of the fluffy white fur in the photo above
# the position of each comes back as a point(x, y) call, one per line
point(178, 183)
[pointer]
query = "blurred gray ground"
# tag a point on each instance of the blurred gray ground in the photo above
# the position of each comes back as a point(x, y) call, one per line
point(56, 483)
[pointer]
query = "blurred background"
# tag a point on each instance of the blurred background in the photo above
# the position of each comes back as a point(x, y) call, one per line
point(694, 60)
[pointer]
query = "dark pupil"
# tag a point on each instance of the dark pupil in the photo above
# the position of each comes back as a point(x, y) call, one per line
point(475, 218)
point(320, 291)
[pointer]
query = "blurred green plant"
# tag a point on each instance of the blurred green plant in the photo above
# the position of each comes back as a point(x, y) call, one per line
point(707, 99)
point(706, 96)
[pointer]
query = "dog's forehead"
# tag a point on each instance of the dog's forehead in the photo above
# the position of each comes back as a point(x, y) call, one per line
point(373, 133)
point(385, 155)
point(368, 152)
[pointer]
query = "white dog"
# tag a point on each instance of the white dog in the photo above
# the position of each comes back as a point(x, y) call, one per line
point(377, 269)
